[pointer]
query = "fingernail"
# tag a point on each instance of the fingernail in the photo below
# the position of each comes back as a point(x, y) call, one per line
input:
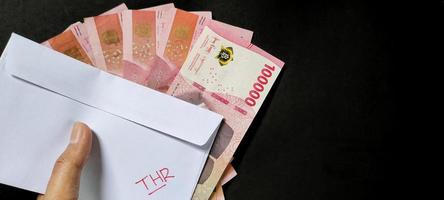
point(76, 133)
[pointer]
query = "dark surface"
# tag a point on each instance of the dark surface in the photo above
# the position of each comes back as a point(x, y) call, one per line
point(323, 131)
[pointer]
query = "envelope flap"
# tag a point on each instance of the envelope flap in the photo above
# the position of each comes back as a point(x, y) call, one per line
point(61, 74)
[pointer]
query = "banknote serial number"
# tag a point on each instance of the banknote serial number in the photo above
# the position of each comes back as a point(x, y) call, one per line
point(259, 85)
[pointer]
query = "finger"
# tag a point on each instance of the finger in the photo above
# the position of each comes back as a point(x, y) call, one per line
point(40, 197)
point(65, 178)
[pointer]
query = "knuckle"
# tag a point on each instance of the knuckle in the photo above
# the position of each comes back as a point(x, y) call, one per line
point(62, 162)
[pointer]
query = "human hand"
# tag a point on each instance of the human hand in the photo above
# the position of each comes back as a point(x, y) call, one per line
point(65, 178)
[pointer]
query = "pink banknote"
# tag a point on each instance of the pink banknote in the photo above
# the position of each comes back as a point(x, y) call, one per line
point(116, 9)
point(163, 24)
point(228, 174)
point(186, 27)
point(218, 193)
point(139, 36)
point(105, 37)
point(153, 76)
point(230, 77)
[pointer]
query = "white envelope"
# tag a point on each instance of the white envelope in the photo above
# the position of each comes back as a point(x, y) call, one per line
point(147, 145)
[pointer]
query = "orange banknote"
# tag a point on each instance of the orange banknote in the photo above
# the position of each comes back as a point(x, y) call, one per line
point(74, 40)
point(180, 37)
point(68, 44)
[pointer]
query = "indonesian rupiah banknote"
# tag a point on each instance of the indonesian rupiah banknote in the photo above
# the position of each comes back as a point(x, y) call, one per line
point(74, 41)
point(141, 64)
point(151, 46)
point(139, 36)
point(106, 38)
point(218, 193)
point(229, 174)
point(184, 27)
point(231, 78)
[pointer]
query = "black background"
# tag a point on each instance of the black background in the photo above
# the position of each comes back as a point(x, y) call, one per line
point(324, 130)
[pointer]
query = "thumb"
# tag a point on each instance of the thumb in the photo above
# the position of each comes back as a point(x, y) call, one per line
point(65, 178)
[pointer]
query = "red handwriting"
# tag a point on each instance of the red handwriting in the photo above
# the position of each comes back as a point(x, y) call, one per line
point(156, 181)
point(258, 86)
